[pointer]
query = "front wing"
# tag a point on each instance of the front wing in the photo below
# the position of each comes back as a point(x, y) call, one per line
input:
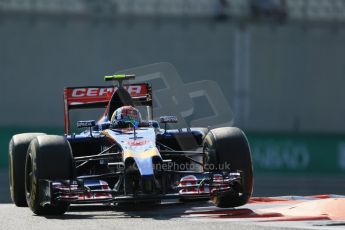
point(195, 186)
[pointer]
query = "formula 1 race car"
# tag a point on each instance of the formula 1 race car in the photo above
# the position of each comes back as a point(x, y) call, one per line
point(123, 159)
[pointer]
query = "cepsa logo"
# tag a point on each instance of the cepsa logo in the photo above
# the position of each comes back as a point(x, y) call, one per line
point(137, 142)
point(105, 92)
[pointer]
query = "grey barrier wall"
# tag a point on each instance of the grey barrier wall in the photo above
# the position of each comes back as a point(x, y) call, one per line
point(274, 77)
point(297, 10)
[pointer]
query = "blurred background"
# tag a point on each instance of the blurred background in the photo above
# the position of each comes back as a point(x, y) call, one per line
point(274, 68)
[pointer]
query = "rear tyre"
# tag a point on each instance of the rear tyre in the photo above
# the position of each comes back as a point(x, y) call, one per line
point(49, 157)
point(229, 145)
point(17, 155)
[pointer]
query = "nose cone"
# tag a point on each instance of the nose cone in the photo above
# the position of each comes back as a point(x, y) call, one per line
point(144, 160)
point(145, 166)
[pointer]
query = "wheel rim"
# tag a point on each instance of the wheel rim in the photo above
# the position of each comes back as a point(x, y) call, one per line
point(28, 175)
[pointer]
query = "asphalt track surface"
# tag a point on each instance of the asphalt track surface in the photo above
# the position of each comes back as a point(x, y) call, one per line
point(172, 215)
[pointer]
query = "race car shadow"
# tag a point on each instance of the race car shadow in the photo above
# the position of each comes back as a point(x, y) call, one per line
point(163, 211)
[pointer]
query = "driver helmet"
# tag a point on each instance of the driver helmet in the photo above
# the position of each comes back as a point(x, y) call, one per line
point(126, 116)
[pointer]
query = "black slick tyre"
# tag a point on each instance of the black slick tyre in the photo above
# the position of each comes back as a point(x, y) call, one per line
point(49, 157)
point(229, 146)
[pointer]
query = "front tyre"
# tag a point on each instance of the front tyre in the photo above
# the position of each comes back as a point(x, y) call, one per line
point(229, 146)
point(49, 157)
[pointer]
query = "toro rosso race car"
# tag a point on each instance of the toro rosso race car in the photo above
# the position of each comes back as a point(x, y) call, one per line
point(125, 159)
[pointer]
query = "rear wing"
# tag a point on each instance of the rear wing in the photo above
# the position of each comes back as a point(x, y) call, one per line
point(90, 97)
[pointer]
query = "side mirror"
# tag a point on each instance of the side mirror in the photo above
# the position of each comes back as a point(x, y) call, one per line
point(149, 123)
point(86, 124)
point(168, 119)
